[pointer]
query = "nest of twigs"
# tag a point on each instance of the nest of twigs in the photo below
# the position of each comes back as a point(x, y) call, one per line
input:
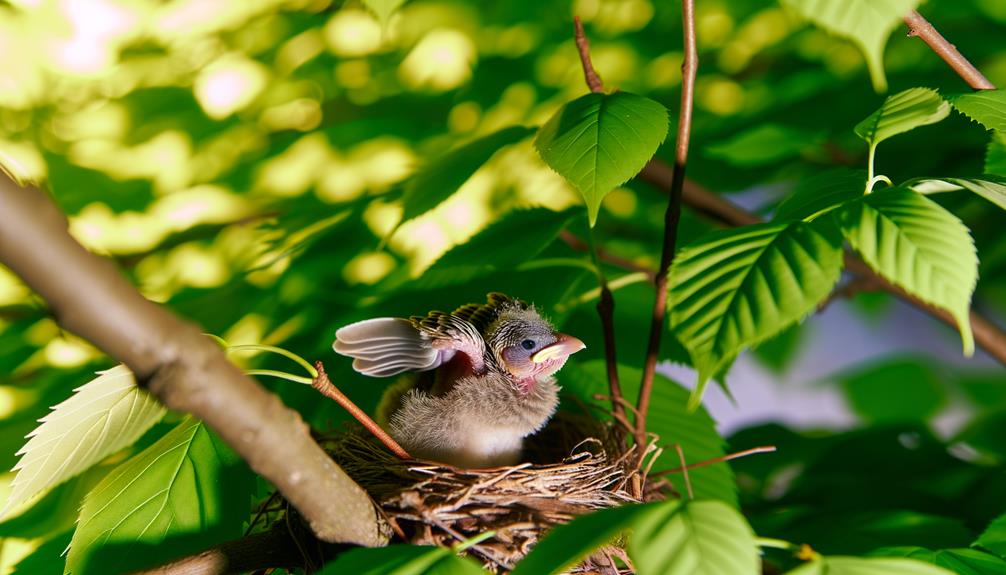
point(577, 465)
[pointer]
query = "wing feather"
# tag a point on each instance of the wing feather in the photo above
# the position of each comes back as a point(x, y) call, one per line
point(386, 346)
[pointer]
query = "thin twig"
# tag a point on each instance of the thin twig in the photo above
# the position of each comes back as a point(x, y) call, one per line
point(671, 216)
point(684, 470)
point(329, 390)
point(921, 28)
point(720, 459)
point(574, 242)
point(583, 47)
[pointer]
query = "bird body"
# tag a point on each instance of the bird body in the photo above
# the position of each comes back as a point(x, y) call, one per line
point(485, 383)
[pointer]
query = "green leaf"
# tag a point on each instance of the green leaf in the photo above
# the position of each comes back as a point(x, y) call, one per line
point(820, 193)
point(101, 417)
point(960, 561)
point(598, 141)
point(995, 155)
point(765, 144)
point(987, 107)
point(900, 113)
point(867, 23)
point(994, 537)
point(991, 188)
point(566, 545)
point(402, 560)
point(736, 288)
point(433, 183)
point(670, 419)
point(698, 538)
point(179, 495)
point(917, 245)
point(897, 391)
point(383, 9)
point(867, 566)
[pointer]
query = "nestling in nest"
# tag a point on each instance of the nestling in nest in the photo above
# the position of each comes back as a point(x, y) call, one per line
point(484, 383)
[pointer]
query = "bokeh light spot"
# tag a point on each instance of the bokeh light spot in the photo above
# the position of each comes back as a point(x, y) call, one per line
point(229, 85)
point(353, 33)
point(442, 60)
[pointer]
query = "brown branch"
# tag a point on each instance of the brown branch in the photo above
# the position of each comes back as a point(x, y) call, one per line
point(684, 471)
point(720, 459)
point(570, 239)
point(671, 216)
point(183, 368)
point(921, 28)
point(325, 386)
point(583, 47)
point(606, 301)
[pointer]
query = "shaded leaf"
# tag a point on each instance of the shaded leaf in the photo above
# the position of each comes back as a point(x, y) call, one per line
point(991, 188)
point(101, 417)
point(179, 495)
point(764, 144)
point(994, 537)
point(917, 245)
point(820, 193)
point(867, 23)
point(902, 112)
point(960, 561)
point(905, 390)
point(433, 183)
point(735, 288)
point(599, 141)
point(401, 560)
point(698, 538)
point(995, 155)
point(987, 107)
point(867, 566)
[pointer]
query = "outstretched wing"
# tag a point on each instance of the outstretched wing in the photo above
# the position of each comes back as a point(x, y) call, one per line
point(386, 346)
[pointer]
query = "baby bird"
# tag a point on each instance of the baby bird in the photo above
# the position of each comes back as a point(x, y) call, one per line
point(485, 380)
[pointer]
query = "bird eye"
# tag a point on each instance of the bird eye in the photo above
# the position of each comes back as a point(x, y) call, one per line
point(527, 344)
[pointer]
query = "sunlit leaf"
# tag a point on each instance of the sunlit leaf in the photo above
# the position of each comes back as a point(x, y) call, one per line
point(959, 561)
point(101, 417)
point(438, 180)
point(179, 495)
point(917, 245)
point(867, 566)
point(820, 193)
point(991, 188)
point(987, 107)
point(994, 537)
point(401, 560)
point(735, 288)
point(698, 538)
point(902, 112)
point(867, 23)
point(566, 545)
point(764, 144)
point(599, 141)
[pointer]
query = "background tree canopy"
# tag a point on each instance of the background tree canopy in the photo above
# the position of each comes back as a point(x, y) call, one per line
point(274, 170)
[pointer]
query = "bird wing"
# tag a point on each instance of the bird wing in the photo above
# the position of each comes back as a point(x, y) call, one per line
point(386, 346)
point(449, 332)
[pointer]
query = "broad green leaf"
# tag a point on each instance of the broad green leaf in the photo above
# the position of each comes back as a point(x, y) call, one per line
point(867, 23)
point(765, 144)
point(917, 245)
point(820, 193)
point(987, 107)
point(181, 494)
point(438, 180)
point(566, 545)
point(383, 9)
point(867, 566)
point(991, 188)
point(995, 155)
point(101, 417)
point(598, 141)
point(994, 537)
point(402, 560)
point(736, 288)
point(697, 538)
point(670, 419)
point(900, 113)
point(959, 561)
point(896, 391)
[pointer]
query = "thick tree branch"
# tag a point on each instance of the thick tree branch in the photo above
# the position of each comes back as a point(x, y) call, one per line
point(178, 364)
point(671, 216)
point(606, 303)
point(921, 28)
point(273, 548)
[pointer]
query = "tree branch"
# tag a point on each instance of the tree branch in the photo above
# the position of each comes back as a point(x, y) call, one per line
point(606, 302)
point(183, 368)
point(671, 216)
point(921, 28)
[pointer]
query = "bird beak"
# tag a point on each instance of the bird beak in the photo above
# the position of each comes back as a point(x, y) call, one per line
point(563, 346)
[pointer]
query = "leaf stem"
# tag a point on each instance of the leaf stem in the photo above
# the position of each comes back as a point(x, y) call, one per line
point(776, 544)
point(558, 262)
point(468, 543)
point(279, 351)
point(279, 374)
point(869, 168)
point(671, 217)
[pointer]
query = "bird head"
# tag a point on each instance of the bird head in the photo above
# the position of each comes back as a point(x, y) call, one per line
point(527, 346)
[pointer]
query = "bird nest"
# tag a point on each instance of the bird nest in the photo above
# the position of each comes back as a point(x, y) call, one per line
point(577, 465)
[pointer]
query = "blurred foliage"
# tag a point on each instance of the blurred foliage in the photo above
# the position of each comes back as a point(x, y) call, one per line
point(246, 163)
